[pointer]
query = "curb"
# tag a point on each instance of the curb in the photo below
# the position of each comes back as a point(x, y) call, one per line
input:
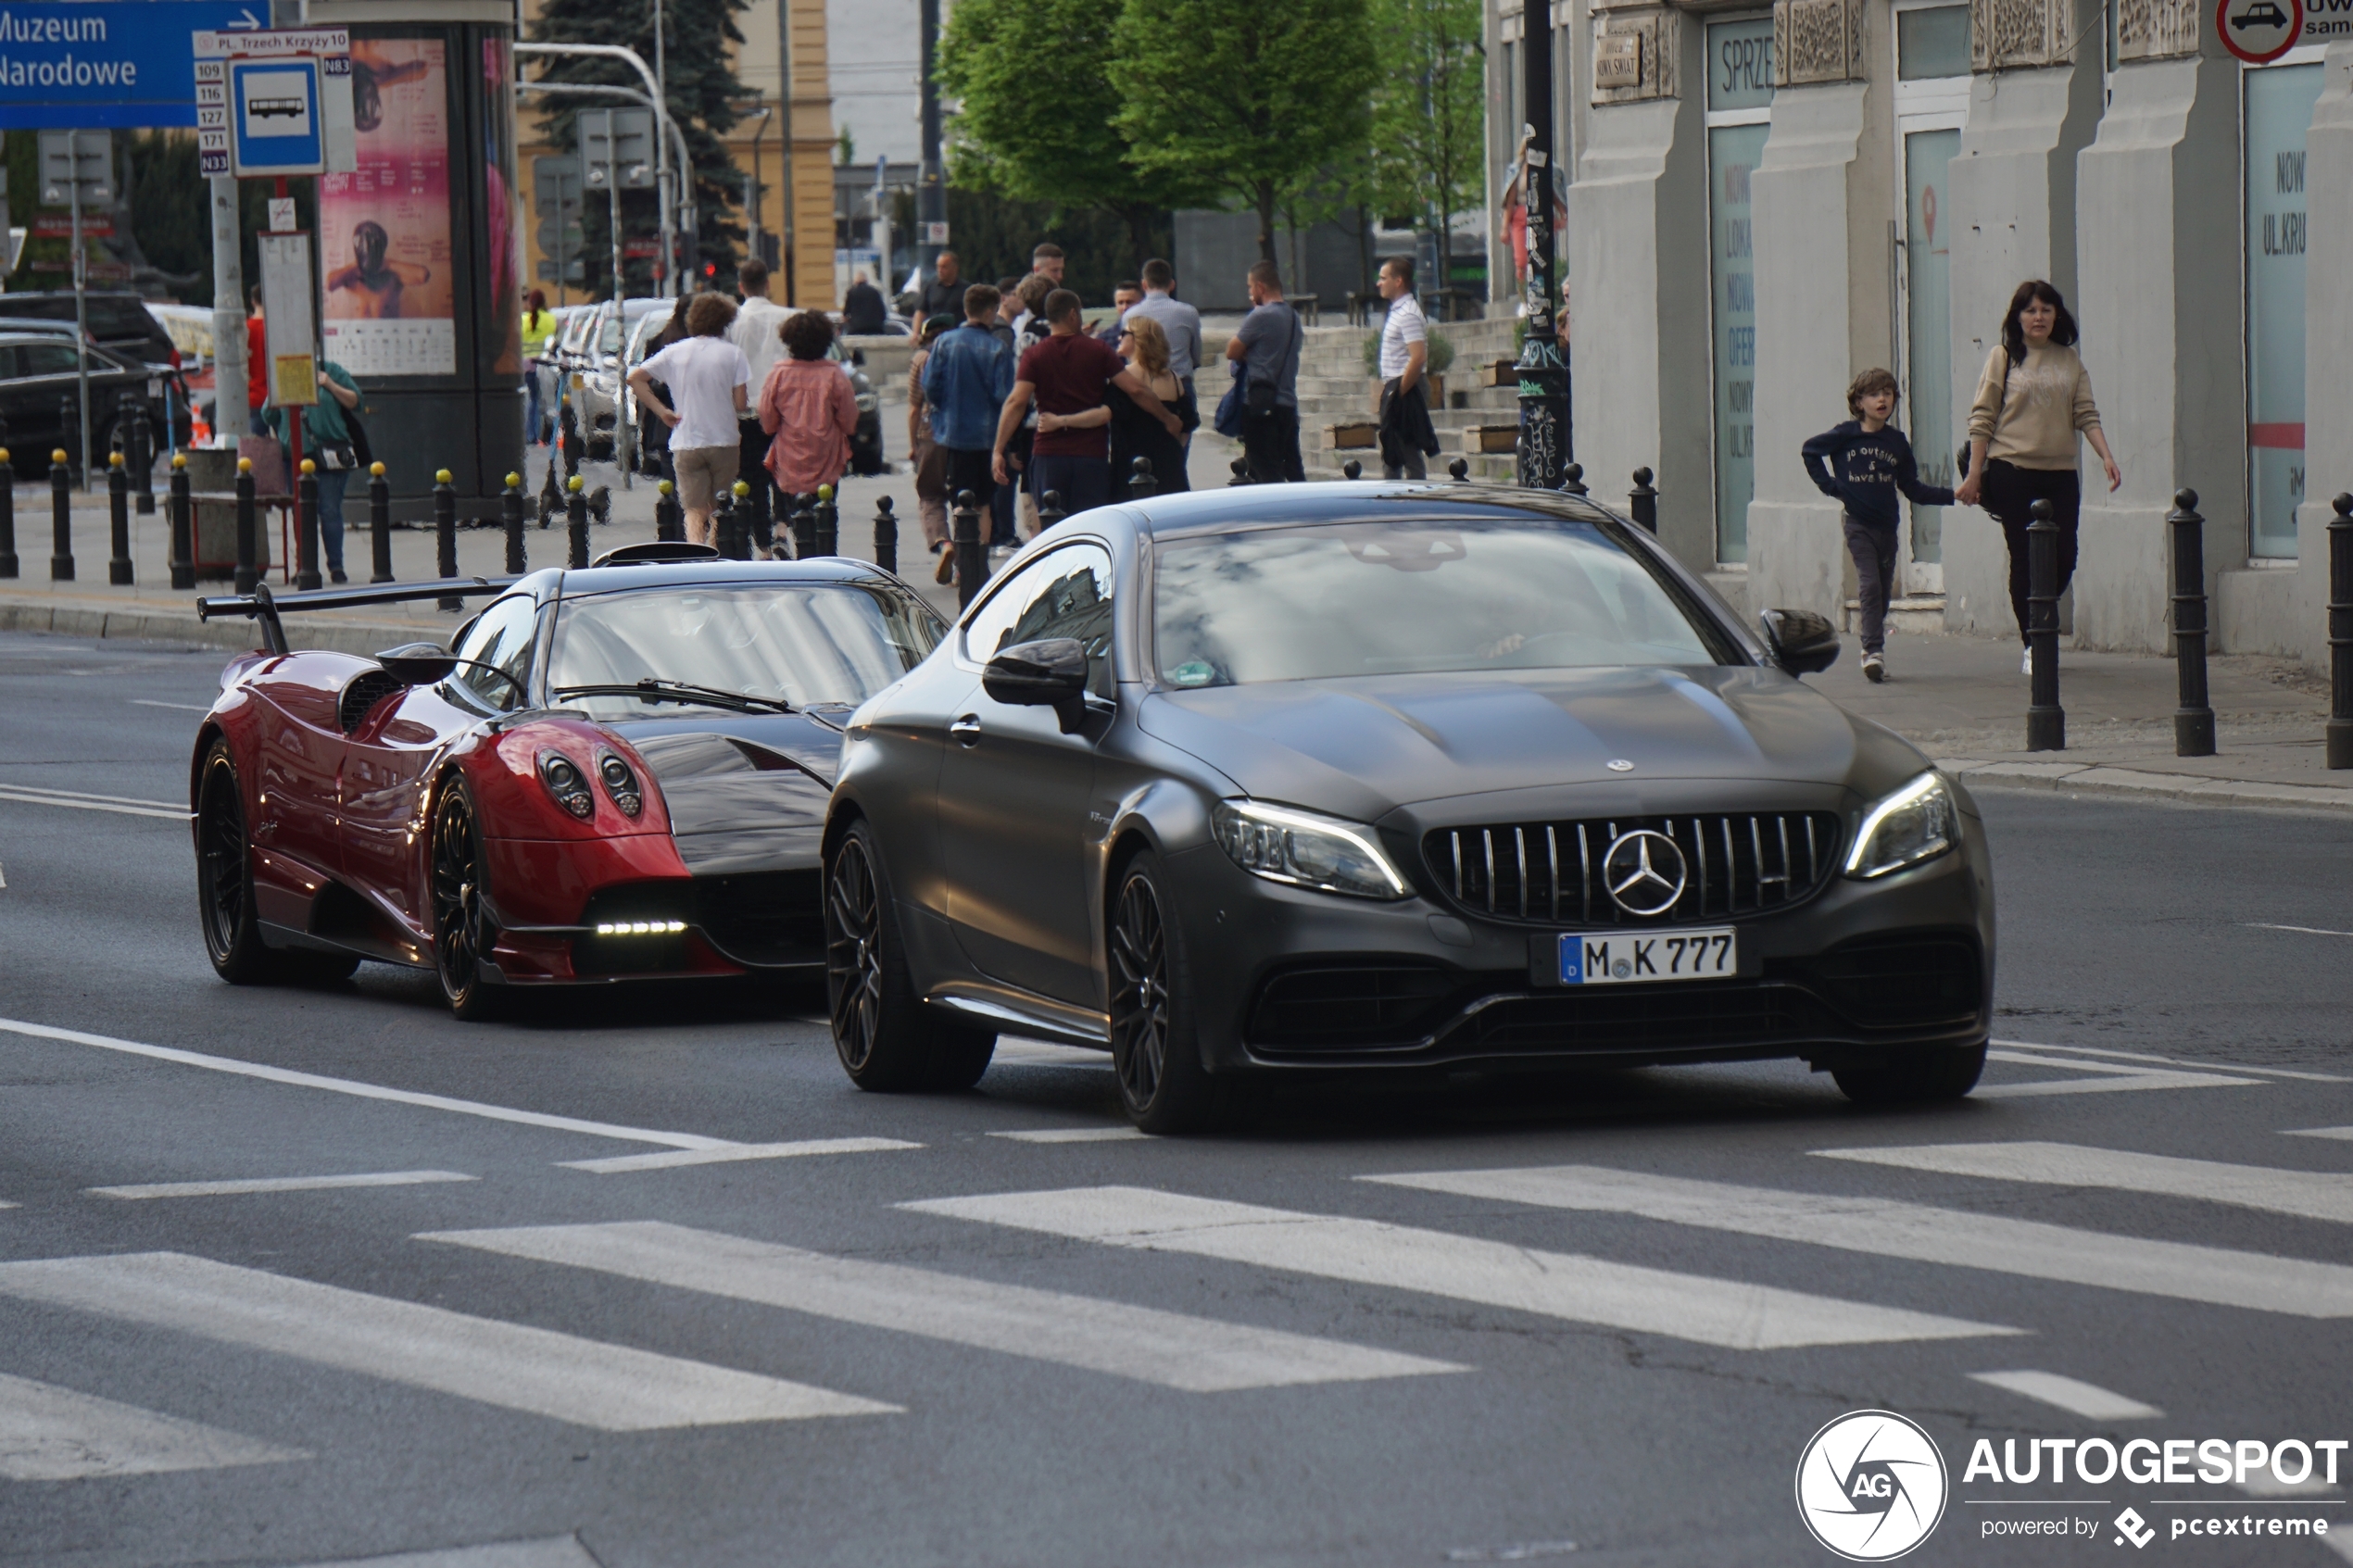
point(2107, 779)
point(160, 625)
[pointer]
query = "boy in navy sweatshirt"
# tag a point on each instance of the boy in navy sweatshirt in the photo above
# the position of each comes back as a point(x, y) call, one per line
point(1864, 462)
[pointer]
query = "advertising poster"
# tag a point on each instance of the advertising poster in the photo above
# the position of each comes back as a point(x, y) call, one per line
point(506, 233)
point(384, 229)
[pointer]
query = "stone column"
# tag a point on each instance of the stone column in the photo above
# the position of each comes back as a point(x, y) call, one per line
point(1821, 215)
point(2032, 108)
point(1638, 272)
point(2158, 299)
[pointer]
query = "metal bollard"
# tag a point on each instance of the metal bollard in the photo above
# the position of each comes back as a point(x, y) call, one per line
point(1459, 471)
point(118, 570)
point(60, 517)
point(571, 443)
point(183, 524)
point(249, 530)
point(379, 525)
point(306, 527)
point(1049, 511)
point(972, 552)
point(1573, 479)
point(723, 524)
point(741, 494)
point(828, 522)
point(577, 521)
point(2045, 721)
point(142, 458)
point(2340, 728)
point(7, 513)
point(510, 513)
point(1240, 469)
point(1352, 470)
point(551, 494)
point(804, 527)
point(886, 536)
point(1642, 502)
point(70, 421)
point(445, 532)
point(1141, 485)
point(2194, 721)
point(669, 524)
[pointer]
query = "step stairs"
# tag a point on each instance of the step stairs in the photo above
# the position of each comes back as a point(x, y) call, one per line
point(1335, 388)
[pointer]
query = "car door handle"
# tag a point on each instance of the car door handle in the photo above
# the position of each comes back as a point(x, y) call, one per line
point(966, 729)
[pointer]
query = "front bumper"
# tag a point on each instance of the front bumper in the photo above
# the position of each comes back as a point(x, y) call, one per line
point(1857, 973)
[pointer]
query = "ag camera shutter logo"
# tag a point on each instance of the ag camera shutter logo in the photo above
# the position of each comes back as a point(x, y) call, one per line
point(1871, 1485)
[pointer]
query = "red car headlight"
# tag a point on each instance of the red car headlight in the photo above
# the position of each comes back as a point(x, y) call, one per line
point(620, 784)
point(565, 782)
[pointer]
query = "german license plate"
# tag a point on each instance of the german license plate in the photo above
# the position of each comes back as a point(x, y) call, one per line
point(1629, 957)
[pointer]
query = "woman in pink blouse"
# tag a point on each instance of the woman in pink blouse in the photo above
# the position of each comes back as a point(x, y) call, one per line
point(808, 406)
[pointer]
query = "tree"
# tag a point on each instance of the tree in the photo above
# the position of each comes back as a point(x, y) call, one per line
point(1035, 116)
point(1428, 110)
point(702, 92)
point(1246, 98)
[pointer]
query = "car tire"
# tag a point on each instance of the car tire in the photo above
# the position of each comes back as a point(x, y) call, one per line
point(1922, 1078)
point(1155, 1050)
point(889, 1042)
point(459, 890)
point(224, 890)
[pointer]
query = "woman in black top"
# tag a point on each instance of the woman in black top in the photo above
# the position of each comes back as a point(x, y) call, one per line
point(1135, 433)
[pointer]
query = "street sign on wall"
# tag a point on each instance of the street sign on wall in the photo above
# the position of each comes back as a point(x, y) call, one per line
point(108, 64)
point(2258, 31)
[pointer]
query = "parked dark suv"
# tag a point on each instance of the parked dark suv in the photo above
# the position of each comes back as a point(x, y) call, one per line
point(119, 321)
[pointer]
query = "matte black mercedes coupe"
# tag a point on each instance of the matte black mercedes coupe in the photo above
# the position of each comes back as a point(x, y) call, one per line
point(1283, 780)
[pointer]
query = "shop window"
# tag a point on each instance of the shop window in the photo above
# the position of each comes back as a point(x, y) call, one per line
point(2278, 102)
point(1740, 97)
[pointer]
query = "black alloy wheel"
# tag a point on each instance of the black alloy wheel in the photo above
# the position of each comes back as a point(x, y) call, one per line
point(224, 874)
point(461, 929)
point(1155, 1052)
point(1921, 1078)
point(888, 1040)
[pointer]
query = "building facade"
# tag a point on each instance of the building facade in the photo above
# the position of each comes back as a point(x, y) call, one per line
point(1766, 199)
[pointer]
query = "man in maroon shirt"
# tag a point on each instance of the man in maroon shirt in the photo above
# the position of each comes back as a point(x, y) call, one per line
point(1066, 374)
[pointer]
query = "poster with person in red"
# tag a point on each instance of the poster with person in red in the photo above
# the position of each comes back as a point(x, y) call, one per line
point(384, 229)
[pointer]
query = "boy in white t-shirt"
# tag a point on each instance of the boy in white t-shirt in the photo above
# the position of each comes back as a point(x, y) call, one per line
point(708, 377)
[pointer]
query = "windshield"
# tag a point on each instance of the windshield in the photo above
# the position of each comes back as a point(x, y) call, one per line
point(1301, 604)
point(806, 643)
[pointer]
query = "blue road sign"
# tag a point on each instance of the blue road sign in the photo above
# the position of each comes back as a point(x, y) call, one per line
point(106, 64)
point(273, 117)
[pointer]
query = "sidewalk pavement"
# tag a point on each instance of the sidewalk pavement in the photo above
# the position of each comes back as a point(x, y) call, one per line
point(1960, 699)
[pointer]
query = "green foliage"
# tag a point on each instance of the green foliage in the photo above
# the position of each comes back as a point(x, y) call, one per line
point(1442, 353)
point(845, 148)
point(1428, 109)
point(702, 91)
point(1254, 100)
point(994, 235)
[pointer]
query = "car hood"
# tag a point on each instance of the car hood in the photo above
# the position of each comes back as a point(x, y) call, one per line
point(1362, 747)
point(746, 792)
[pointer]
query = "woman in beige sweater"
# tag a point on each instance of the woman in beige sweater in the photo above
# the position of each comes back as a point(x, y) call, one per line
point(2033, 403)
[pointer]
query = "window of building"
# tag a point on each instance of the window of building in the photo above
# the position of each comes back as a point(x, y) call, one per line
point(1740, 100)
point(1931, 42)
point(2278, 104)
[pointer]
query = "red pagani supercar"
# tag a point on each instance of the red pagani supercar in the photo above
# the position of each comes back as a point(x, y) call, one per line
point(611, 773)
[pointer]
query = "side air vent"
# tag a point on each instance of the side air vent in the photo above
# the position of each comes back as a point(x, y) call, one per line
point(366, 689)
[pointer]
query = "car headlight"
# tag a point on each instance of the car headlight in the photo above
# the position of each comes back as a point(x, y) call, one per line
point(1283, 844)
point(1918, 822)
point(563, 781)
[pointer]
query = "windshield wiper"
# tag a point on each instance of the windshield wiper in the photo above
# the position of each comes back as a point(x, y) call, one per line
point(652, 690)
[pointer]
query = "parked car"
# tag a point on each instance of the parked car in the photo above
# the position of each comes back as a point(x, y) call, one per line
point(600, 371)
point(1282, 781)
point(118, 321)
point(39, 379)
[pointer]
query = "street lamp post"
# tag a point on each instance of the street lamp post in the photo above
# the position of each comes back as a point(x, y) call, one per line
point(1545, 441)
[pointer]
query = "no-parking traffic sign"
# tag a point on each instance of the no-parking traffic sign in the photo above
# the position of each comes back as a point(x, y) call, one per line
point(2258, 31)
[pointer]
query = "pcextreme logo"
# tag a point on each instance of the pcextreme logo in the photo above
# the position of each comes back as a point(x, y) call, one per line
point(1871, 1485)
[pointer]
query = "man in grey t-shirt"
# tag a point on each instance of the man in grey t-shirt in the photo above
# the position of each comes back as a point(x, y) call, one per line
point(1267, 349)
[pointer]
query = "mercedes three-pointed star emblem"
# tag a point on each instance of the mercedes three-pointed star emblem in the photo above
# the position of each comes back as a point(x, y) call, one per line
point(1645, 873)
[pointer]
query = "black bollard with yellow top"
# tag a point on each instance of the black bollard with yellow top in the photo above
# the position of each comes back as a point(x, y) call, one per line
point(511, 504)
point(60, 517)
point(118, 570)
point(379, 525)
point(444, 532)
point(184, 523)
point(8, 515)
point(249, 530)
point(577, 521)
point(307, 528)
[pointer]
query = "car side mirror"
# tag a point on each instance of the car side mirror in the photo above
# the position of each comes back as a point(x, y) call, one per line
point(418, 664)
point(1803, 641)
point(1050, 672)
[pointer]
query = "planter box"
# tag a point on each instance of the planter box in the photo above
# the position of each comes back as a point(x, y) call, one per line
point(1351, 436)
point(1502, 372)
point(1490, 438)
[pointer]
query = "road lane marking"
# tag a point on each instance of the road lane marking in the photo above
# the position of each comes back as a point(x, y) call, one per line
point(2312, 1195)
point(2257, 1280)
point(2071, 1395)
point(2177, 1061)
point(1017, 1051)
point(557, 1551)
point(183, 706)
point(2105, 1078)
point(1460, 1268)
point(94, 803)
point(515, 1366)
point(361, 1091)
point(53, 1433)
point(1074, 1134)
point(2304, 930)
point(279, 1183)
point(723, 1153)
point(2342, 1134)
point(1173, 1349)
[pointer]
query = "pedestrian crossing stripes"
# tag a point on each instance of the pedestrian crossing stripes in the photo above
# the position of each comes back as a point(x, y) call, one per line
point(1886, 1228)
point(559, 1551)
point(1074, 1134)
point(2312, 1195)
point(513, 1365)
point(2105, 1078)
point(1144, 1343)
point(279, 1183)
point(53, 1433)
point(2071, 1395)
point(723, 1154)
point(1580, 1290)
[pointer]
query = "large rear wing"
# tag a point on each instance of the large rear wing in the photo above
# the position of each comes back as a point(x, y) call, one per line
point(265, 606)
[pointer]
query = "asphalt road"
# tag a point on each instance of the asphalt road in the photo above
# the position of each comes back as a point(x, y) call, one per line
point(647, 1282)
